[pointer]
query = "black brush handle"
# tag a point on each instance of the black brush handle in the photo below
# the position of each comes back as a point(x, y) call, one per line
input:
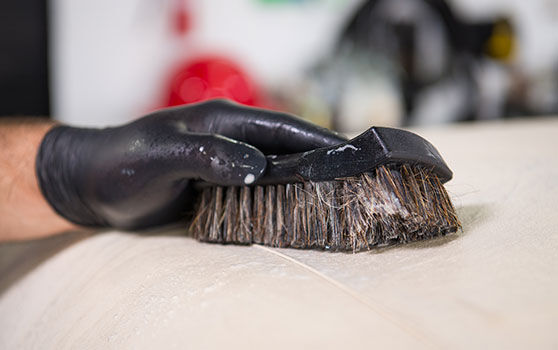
point(375, 147)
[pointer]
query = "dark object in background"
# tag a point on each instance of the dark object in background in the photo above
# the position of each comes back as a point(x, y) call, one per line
point(24, 86)
point(427, 50)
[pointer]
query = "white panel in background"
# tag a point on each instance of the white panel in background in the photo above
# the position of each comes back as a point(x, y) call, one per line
point(107, 59)
point(276, 41)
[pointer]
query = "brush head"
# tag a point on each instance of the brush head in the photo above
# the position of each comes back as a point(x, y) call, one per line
point(392, 204)
point(383, 187)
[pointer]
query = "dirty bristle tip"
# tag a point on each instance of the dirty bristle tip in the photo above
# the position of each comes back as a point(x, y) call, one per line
point(387, 206)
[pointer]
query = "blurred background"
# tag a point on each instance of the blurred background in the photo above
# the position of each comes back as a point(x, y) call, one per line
point(344, 64)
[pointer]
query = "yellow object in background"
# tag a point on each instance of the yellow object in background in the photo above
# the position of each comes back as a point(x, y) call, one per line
point(502, 44)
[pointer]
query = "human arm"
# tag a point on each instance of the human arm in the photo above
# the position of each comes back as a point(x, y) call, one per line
point(24, 211)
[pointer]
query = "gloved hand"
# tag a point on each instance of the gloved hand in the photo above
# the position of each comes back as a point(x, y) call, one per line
point(138, 175)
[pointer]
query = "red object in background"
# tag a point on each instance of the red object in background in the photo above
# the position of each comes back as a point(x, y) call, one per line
point(181, 18)
point(212, 77)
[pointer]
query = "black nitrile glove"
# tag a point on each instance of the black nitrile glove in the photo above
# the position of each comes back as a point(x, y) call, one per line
point(137, 175)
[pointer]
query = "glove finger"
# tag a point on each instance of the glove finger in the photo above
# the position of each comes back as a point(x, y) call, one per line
point(269, 131)
point(219, 160)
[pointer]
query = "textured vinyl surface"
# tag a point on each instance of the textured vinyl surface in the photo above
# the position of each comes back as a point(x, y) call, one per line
point(493, 284)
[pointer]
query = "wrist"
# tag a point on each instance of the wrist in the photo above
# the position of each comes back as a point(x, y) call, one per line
point(26, 213)
point(60, 164)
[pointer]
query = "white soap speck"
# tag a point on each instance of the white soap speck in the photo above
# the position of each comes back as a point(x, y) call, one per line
point(341, 149)
point(128, 172)
point(201, 149)
point(249, 179)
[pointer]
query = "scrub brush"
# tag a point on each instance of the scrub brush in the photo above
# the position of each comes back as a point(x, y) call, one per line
point(383, 187)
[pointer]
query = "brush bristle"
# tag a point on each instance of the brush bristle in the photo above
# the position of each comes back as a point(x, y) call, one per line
point(391, 205)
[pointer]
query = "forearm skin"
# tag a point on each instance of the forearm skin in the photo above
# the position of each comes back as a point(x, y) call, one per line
point(25, 213)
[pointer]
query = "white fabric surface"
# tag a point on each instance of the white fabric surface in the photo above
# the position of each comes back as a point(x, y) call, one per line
point(495, 284)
